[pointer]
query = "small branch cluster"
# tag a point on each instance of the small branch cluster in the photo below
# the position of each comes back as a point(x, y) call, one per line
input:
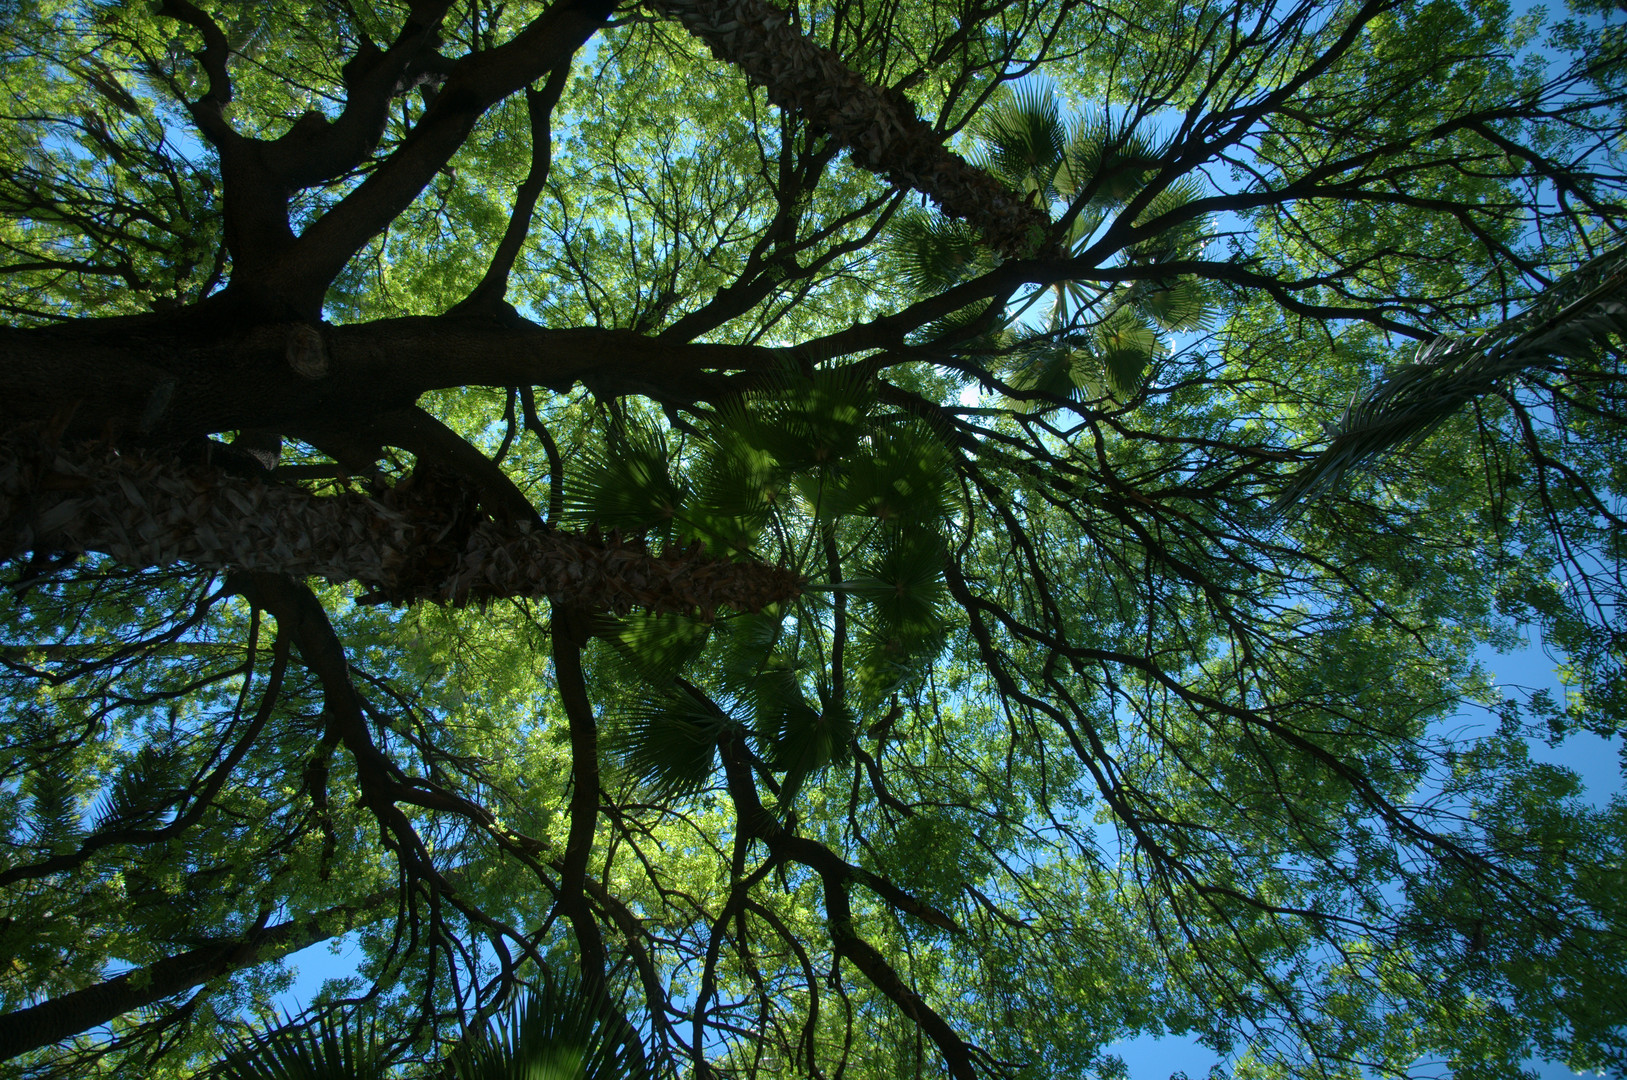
point(877, 125)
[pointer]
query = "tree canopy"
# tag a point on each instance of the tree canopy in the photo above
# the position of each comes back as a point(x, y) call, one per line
point(859, 538)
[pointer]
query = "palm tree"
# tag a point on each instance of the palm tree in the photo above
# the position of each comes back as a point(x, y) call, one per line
point(1580, 313)
point(878, 125)
point(425, 538)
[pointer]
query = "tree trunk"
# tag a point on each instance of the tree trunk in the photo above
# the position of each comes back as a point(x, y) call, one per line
point(878, 125)
point(426, 539)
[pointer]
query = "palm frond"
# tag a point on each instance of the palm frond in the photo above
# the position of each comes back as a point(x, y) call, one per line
point(905, 477)
point(627, 485)
point(1044, 368)
point(553, 1033)
point(667, 740)
point(930, 253)
point(329, 1049)
point(54, 810)
point(1583, 311)
point(140, 791)
point(1025, 138)
point(655, 647)
point(1183, 237)
point(805, 421)
point(1179, 304)
point(1125, 348)
point(904, 585)
point(800, 740)
point(1105, 164)
point(735, 489)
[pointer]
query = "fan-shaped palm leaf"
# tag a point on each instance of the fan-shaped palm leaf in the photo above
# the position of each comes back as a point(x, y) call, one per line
point(1125, 349)
point(903, 586)
point(1024, 139)
point(806, 421)
point(343, 1049)
point(667, 740)
point(628, 485)
point(1184, 236)
point(930, 253)
point(1178, 304)
point(905, 476)
point(553, 1033)
point(655, 647)
point(1105, 164)
point(1043, 368)
point(799, 740)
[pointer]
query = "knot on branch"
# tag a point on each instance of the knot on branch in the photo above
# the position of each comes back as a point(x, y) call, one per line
point(306, 353)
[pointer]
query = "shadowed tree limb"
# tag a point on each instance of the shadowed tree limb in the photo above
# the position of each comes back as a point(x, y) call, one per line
point(61, 1017)
point(422, 540)
point(487, 296)
point(474, 85)
point(571, 630)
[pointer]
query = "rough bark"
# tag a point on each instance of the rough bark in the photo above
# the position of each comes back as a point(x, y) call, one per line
point(425, 539)
point(878, 125)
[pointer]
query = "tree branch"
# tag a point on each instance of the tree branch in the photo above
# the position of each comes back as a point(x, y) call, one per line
point(38, 1026)
point(476, 83)
point(488, 296)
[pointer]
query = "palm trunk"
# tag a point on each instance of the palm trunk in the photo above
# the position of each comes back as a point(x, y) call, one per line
point(423, 541)
point(1580, 314)
point(877, 125)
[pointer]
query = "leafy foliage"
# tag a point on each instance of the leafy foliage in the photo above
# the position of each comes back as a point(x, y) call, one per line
point(1095, 447)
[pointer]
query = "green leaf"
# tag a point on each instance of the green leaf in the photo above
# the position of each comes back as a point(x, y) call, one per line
point(806, 421)
point(1108, 164)
point(141, 791)
point(903, 586)
point(55, 823)
point(342, 1049)
point(628, 485)
point(1024, 138)
point(931, 253)
point(800, 740)
point(666, 740)
point(904, 476)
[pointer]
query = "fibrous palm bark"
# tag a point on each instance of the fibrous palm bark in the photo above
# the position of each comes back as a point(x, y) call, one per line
point(417, 541)
point(1581, 314)
point(878, 125)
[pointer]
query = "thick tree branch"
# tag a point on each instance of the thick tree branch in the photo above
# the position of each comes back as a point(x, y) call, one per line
point(570, 633)
point(476, 83)
point(171, 377)
point(39, 1026)
point(316, 149)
